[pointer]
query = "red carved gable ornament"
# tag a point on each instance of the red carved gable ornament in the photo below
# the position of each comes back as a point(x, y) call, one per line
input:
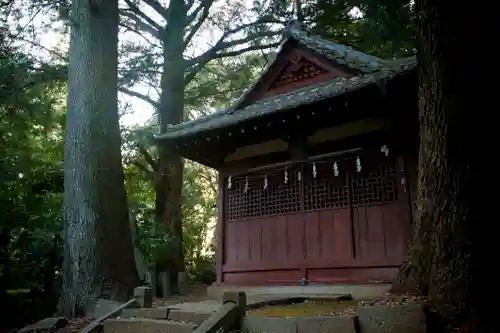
point(297, 70)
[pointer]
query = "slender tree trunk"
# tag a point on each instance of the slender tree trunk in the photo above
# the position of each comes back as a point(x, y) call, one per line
point(99, 258)
point(170, 171)
point(442, 262)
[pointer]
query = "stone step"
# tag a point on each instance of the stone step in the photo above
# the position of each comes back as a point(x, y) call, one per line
point(148, 313)
point(141, 325)
point(170, 313)
point(188, 316)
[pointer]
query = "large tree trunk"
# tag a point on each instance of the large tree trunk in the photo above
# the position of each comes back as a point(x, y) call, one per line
point(169, 178)
point(99, 258)
point(442, 262)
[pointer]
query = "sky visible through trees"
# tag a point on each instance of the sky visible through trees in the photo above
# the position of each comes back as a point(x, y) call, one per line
point(46, 40)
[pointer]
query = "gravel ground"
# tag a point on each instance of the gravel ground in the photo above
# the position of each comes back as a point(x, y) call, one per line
point(308, 308)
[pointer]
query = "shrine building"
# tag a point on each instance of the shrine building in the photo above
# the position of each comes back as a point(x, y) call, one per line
point(317, 163)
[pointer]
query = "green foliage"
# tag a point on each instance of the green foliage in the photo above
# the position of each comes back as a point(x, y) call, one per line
point(220, 82)
point(202, 270)
point(32, 102)
point(383, 28)
point(198, 210)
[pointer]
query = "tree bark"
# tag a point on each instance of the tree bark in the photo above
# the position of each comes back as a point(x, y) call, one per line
point(170, 171)
point(299, 14)
point(442, 261)
point(99, 258)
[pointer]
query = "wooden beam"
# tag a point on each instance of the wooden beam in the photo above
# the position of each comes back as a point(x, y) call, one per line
point(288, 163)
point(95, 325)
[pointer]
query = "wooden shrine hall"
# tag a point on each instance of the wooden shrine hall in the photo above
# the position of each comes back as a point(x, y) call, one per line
point(317, 166)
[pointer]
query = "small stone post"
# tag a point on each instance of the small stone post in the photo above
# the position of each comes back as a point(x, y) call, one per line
point(144, 296)
point(165, 289)
point(152, 281)
point(181, 282)
point(240, 299)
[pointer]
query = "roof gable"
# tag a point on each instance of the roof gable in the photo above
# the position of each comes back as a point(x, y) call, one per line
point(368, 70)
point(304, 59)
point(293, 68)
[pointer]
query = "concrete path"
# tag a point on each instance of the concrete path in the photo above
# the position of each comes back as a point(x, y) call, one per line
point(210, 306)
point(356, 291)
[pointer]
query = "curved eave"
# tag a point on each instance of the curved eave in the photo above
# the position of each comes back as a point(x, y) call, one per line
point(304, 96)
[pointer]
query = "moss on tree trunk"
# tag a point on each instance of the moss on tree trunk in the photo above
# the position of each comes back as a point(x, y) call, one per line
point(442, 261)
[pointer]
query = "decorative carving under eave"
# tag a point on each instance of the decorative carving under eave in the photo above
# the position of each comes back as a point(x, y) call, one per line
point(296, 70)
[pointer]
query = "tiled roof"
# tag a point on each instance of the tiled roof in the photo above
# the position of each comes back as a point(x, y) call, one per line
point(341, 54)
point(372, 70)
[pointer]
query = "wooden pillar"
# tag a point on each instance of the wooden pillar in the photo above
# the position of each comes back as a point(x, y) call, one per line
point(220, 230)
point(239, 298)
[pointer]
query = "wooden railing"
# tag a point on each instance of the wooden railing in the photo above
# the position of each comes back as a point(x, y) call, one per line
point(229, 317)
point(143, 298)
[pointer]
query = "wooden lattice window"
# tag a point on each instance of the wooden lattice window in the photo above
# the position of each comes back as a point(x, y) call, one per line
point(241, 204)
point(375, 184)
point(323, 189)
point(256, 200)
point(315, 185)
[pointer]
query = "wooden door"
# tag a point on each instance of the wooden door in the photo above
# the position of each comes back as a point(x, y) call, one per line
point(380, 212)
point(326, 214)
point(356, 222)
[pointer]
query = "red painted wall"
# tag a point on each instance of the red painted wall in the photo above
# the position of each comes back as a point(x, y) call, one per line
point(352, 228)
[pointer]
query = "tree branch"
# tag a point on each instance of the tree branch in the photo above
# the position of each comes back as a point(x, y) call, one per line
point(158, 7)
point(193, 99)
point(197, 63)
point(191, 16)
point(155, 87)
point(205, 5)
point(189, 4)
point(53, 53)
point(246, 49)
point(263, 20)
point(6, 3)
point(140, 96)
point(141, 24)
point(147, 156)
point(124, 71)
point(139, 33)
point(219, 46)
point(137, 11)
